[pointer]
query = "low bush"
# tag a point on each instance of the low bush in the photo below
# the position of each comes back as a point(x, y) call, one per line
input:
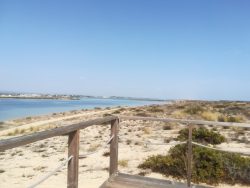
point(209, 166)
point(202, 135)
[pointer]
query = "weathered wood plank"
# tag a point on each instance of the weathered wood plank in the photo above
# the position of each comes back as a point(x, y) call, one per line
point(134, 181)
point(27, 139)
point(113, 165)
point(73, 150)
point(187, 121)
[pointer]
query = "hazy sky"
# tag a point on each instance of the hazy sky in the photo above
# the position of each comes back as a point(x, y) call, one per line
point(144, 48)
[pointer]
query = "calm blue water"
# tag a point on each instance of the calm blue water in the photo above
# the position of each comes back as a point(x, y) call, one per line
point(17, 108)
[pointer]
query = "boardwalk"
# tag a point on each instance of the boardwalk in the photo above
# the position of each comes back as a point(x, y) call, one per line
point(134, 181)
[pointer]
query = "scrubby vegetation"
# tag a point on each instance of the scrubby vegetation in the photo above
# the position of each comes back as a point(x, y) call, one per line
point(210, 116)
point(223, 111)
point(202, 135)
point(229, 118)
point(194, 109)
point(209, 166)
point(155, 109)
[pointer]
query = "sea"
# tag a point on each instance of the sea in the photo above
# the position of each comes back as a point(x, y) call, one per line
point(18, 108)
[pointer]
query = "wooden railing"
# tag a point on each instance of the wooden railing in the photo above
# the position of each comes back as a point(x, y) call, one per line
point(73, 133)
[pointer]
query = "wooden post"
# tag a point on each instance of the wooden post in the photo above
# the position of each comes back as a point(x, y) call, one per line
point(113, 164)
point(190, 153)
point(73, 149)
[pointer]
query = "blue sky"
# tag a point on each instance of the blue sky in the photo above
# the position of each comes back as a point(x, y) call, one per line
point(162, 49)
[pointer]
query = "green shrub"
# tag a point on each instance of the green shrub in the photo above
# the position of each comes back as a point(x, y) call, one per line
point(202, 135)
point(208, 166)
point(237, 168)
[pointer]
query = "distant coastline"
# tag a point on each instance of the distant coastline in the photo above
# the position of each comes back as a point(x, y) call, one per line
point(42, 97)
point(69, 97)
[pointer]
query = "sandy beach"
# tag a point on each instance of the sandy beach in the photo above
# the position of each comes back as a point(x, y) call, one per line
point(22, 166)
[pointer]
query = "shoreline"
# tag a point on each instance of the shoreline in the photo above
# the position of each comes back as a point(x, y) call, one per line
point(18, 110)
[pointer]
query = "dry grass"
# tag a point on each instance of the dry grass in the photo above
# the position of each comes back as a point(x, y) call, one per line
point(123, 163)
point(16, 132)
point(179, 114)
point(22, 131)
point(210, 116)
point(146, 130)
point(229, 118)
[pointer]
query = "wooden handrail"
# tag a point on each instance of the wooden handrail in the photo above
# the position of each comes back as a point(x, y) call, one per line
point(187, 121)
point(73, 132)
point(27, 139)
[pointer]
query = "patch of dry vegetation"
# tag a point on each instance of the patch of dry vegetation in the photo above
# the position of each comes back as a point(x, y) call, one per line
point(123, 163)
point(212, 111)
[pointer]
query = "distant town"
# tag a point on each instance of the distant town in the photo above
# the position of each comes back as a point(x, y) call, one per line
point(5, 95)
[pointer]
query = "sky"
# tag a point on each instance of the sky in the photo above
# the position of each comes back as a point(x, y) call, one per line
point(168, 49)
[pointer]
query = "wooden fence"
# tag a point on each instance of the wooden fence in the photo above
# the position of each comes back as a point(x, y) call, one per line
point(73, 133)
